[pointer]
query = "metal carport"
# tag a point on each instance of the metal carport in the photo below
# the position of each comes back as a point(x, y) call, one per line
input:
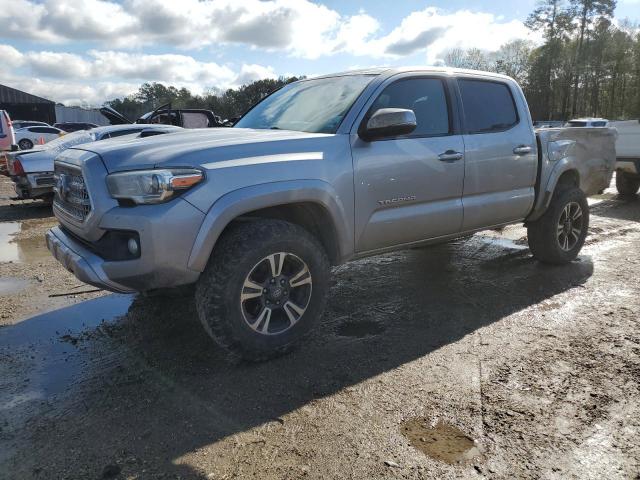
point(24, 106)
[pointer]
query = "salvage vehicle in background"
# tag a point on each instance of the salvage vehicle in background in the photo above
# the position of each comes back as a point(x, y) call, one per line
point(32, 170)
point(322, 171)
point(588, 123)
point(181, 117)
point(27, 137)
point(75, 126)
point(7, 132)
point(628, 156)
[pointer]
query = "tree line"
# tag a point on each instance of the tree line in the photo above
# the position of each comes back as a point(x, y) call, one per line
point(587, 65)
point(227, 104)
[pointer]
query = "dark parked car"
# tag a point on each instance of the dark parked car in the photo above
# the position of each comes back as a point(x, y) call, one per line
point(181, 117)
point(75, 126)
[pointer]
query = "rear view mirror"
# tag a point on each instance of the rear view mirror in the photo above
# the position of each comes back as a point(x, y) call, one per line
point(389, 122)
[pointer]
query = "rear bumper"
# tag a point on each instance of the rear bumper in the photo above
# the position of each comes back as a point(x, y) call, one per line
point(85, 265)
point(34, 185)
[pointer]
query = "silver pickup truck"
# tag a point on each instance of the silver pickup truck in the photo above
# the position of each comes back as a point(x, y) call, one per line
point(321, 172)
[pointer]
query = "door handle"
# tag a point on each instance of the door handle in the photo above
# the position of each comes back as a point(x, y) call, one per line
point(522, 150)
point(450, 156)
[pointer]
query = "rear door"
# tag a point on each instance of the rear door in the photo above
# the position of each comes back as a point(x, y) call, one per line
point(409, 188)
point(500, 153)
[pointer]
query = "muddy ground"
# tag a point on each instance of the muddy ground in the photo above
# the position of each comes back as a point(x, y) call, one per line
point(465, 360)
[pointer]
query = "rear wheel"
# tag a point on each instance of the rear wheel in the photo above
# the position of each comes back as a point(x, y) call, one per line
point(558, 236)
point(25, 144)
point(263, 289)
point(626, 184)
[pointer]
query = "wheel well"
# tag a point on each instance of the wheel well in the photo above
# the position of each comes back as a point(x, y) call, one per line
point(570, 178)
point(310, 216)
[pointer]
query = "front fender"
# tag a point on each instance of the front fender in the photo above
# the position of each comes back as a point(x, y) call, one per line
point(256, 197)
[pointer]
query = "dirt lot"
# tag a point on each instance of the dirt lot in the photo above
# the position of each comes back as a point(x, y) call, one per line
point(466, 360)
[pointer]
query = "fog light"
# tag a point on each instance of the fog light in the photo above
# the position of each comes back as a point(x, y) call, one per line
point(133, 247)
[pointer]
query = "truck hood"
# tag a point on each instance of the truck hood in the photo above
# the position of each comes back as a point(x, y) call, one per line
point(203, 147)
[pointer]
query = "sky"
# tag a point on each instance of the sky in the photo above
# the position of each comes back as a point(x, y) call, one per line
point(84, 52)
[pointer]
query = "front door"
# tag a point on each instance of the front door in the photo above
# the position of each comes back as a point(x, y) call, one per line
point(409, 188)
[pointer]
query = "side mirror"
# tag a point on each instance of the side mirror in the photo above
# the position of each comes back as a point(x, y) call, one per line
point(389, 122)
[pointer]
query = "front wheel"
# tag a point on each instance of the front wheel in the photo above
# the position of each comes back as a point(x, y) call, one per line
point(263, 289)
point(626, 184)
point(558, 236)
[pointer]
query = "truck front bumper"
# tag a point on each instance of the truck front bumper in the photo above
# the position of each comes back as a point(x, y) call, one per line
point(84, 264)
point(165, 233)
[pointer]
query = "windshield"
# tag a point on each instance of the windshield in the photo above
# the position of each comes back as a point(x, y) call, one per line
point(69, 140)
point(314, 106)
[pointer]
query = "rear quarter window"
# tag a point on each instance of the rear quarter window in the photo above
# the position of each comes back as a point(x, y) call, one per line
point(488, 106)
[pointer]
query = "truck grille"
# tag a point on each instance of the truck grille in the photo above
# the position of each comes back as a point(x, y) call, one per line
point(71, 195)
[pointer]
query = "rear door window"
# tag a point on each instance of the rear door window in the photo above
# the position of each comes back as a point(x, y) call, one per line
point(195, 120)
point(488, 106)
point(43, 130)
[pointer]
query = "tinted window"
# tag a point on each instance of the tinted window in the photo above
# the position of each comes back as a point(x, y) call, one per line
point(599, 124)
point(488, 106)
point(425, 96)
point(43, 130)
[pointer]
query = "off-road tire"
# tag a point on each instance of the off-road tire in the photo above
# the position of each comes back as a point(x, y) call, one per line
point(542, 234)
point(218, 290)
point(25, 144)
point(627, 185)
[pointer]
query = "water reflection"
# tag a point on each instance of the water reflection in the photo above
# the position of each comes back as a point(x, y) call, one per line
point(24, 250)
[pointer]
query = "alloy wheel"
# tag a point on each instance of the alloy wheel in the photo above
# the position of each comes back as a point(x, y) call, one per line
point(276, 293)
point(570, 226)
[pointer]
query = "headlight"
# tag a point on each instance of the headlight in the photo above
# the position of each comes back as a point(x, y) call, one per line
point(152, 186)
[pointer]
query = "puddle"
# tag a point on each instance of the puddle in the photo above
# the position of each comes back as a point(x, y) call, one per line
point(442, 442)
point(23, 250)
point(360, 329)
point(595, 199)
point(11, 285)
point(502, 242)
point(57, 363)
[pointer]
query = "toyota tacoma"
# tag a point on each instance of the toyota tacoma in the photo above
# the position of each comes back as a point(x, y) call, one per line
point(322, 171)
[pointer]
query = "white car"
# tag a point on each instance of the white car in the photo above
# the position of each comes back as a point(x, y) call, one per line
point(27, 137)
point(588, 122)
point(32, 170)
point(627, 156)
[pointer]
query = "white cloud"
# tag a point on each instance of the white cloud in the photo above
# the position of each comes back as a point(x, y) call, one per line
point(299, 27)
point(119, 31)
point(432, 31)
point(252, 72)
point(103, 75)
